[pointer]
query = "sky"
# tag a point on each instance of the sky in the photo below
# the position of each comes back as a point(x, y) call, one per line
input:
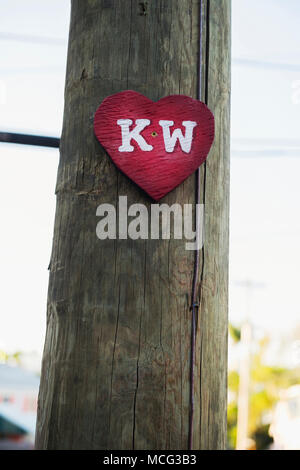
point(265, 190)
point(32, 74)
point(265, 163)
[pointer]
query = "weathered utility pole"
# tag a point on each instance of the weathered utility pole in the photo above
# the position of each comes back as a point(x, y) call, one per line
point(116, 364)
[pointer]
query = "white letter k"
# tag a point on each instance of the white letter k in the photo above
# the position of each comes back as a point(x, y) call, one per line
point(127, 135)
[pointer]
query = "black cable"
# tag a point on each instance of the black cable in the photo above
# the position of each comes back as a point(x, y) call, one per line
point(194, 303)
point(27, 139)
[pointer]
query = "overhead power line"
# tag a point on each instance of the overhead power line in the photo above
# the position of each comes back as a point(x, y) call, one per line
point(265, 64)
point(243, 61)
point(265, 147)
point(265, 152)
point(33, 39)
point(243, 148)
point(27, 139)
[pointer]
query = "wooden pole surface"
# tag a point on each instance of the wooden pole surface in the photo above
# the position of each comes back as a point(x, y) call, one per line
point(116, 361)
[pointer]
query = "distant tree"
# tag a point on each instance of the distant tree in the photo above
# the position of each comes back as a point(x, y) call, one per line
point(266, 383)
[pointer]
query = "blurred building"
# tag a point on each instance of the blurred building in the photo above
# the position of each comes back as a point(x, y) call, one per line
point(286, 420)
point(18, 406)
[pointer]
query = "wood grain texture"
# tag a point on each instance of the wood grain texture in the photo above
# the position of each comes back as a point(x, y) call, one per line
point(115, 369)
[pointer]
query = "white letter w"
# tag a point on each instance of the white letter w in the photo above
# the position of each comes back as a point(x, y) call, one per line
point(170, 140)
point(127, 135)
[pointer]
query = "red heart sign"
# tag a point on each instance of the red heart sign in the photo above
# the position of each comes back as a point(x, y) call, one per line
point(156, 144)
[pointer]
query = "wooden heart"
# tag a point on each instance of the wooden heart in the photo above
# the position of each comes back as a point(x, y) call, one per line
point(156, 144)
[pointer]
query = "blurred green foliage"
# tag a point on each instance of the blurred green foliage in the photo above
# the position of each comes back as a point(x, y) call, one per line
point(266, 382)
point(6, 357)
point(234, 332)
